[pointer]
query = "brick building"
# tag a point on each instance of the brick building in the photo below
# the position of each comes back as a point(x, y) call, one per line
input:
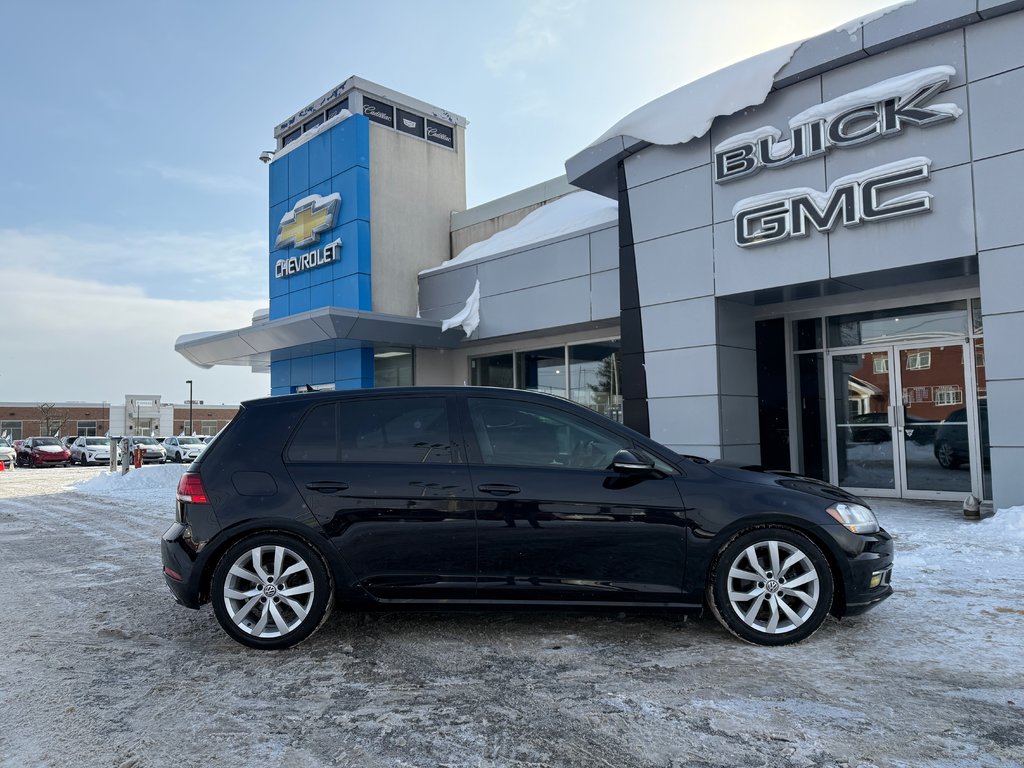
point(22, 420)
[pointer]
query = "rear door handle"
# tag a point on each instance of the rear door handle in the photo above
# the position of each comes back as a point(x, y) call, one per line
point(327, 486)
point(498, 489)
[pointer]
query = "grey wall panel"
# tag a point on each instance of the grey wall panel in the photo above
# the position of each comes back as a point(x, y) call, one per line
point(657, 162)
point(604, 295)
point(690, 420)
point(689, 323)
point(1007, 479)
point(1001, 284)
point(1004, 350)
point(946, 232)
point(946, 144)
point(710, 452)
point(547, 264)
point(690, 371)
point(676, 267)
point(443, 312)
point(915, 21)
point(671, 205)
point(737, 371)
point(735, 324)
point(448, 286)
point(739, 420)
point(942, 49)
point(738, 270)
point(997, 207)
point(532, 309)
point(991, 8)
point(742, 454)
point(826, 51)
point(995, 46)
point(997, 113)
point(604, 249)
point(1006, 425)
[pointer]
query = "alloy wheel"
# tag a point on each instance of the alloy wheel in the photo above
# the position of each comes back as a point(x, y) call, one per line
point(269, 591)
point(773, 587)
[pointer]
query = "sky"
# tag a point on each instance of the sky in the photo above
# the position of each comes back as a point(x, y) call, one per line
point(133, 206)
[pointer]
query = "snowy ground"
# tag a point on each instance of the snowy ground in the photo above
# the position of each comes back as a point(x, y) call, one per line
point(101, 668)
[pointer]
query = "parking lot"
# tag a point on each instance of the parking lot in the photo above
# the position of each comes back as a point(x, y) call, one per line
point(102, 668)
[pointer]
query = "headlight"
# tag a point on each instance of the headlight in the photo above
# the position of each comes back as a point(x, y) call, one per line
point(856, 517)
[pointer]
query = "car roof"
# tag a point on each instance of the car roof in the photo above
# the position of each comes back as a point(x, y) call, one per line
point(519, 394)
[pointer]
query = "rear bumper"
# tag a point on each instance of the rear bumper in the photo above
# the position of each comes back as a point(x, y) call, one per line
point(180, 556)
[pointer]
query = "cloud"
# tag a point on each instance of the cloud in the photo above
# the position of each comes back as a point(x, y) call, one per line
point(535, 33)
point(80, 339)
point(207, 182)
point(199, 265)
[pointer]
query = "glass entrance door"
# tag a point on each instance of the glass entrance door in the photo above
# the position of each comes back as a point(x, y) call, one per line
point(902, 421)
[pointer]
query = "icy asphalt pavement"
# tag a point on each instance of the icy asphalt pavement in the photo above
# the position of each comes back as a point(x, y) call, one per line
point(99, 667)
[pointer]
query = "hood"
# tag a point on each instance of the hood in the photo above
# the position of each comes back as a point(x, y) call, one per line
point(758, 475)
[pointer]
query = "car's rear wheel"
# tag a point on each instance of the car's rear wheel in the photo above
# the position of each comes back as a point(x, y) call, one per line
point(771, 586)
point(271, 591)
point(946, 455)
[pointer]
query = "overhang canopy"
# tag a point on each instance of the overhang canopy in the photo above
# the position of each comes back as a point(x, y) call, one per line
point(320, 330)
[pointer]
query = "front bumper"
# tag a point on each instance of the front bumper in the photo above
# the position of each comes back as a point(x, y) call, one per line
point(45, 459)
point(867, 570)
point(152, 457)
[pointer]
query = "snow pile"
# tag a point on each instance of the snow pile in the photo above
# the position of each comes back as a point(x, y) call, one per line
point(469, 317)
point(157, 477)
point(571, 213)
point(687, 112)
point(852, 27)
point(1004, 529)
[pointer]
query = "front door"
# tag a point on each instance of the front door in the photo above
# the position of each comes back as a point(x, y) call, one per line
point(903, 421)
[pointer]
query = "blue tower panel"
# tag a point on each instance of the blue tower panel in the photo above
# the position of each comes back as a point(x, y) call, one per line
point(298, 170)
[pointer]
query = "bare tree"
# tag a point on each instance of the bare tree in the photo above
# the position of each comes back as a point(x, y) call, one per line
point(51, 418)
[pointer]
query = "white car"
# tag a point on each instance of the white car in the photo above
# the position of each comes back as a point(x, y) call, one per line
point(7, 453)
point(90, 450)
point(183, 448)
point(152, 450)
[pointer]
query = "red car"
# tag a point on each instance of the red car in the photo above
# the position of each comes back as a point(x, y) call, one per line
point(43, 452)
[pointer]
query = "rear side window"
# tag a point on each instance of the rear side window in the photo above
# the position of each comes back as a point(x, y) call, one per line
point(398, 430)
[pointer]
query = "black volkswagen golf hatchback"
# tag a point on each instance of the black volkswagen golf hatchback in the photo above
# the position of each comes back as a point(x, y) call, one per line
point(489, 497)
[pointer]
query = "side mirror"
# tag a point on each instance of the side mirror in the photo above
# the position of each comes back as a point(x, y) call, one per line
point(627, 462)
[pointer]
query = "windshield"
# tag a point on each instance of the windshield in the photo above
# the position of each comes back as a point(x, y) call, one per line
point(47, 441)
point(146, 441)
point(4, 443)
point(190, 441)
point(95, 441)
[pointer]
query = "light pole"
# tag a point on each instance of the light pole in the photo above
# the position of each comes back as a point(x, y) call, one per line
point(191, 426)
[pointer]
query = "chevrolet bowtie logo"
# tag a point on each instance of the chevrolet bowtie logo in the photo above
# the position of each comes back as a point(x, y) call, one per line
point(303, 224)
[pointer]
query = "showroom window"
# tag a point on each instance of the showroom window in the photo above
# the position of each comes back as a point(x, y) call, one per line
point(208, 428)
point(12, 428)
point(87, 428)
point(393, 367)
point(588, 373)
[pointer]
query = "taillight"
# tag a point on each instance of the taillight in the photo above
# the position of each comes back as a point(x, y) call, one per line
point(190, 488)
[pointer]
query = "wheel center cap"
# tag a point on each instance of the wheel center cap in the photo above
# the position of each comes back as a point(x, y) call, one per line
point(771, 586)
point(269, 590)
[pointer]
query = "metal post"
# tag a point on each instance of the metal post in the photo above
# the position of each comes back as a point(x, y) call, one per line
point(191, 425)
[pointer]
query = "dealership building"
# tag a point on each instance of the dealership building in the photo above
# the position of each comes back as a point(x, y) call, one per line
point(811, 260)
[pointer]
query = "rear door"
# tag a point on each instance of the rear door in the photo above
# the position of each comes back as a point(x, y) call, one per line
point(555, 523)
point(387, 479)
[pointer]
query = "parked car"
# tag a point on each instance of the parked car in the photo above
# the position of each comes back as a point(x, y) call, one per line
point(485, 496)
point(8, 454)
point(952, 445)
point(152, 451)
point(67, 441)
point(874, 428)
point(183, 448)
point(91, 450)
point(43, 452)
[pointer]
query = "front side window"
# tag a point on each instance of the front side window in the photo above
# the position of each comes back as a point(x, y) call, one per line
point(532, 435)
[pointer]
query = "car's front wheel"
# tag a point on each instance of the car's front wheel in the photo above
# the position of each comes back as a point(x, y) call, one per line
point(946, 455)
point(771, 586)
point(271, 591)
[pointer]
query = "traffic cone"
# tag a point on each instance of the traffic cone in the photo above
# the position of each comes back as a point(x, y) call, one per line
point(3, 465)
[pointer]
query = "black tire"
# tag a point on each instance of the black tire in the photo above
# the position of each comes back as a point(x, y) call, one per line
point(177, 457)
point(750, 618)
point(946, 455)
point(309, 571)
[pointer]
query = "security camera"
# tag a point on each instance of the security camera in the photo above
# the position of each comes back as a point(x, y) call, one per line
point(266, 156)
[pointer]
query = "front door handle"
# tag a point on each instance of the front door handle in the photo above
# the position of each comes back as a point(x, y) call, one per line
point(498, 489)
point(327, 486)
